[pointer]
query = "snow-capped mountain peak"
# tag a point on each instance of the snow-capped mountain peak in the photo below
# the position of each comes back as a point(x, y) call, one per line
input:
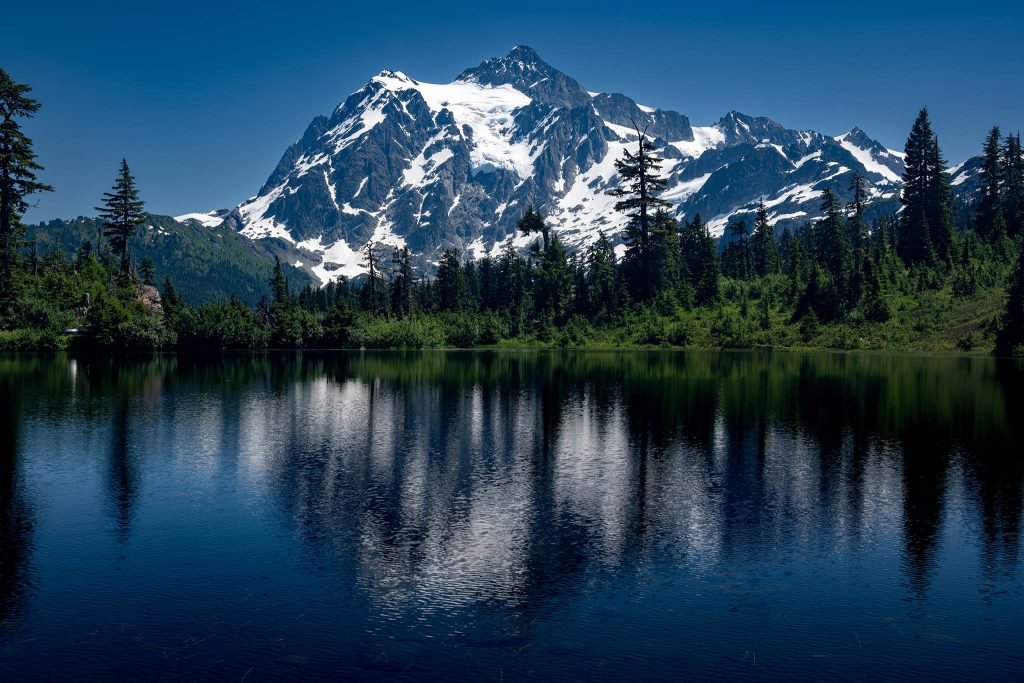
point(436, 166)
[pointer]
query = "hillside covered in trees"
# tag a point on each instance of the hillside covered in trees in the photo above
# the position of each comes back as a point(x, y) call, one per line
point(920, 278)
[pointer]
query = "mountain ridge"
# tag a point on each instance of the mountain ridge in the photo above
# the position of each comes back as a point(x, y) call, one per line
point(402, 162)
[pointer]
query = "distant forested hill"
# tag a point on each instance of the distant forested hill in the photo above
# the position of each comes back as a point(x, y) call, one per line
point(204, 263)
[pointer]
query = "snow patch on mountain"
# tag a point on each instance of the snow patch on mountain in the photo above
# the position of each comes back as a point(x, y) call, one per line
point(704, 138)
point(866, 159)
point(210, 219)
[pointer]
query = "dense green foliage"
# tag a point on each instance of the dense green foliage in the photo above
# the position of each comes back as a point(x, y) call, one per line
point(206, 264)
point(122, 213)
point(922, 279)
point(17, 179)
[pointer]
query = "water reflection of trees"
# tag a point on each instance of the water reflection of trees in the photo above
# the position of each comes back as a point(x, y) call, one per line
point(512, 472)
point(500, 479)
point(15, 508)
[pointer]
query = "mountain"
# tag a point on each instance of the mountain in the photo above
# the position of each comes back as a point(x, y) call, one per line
point(207, 261)
point(436, 166)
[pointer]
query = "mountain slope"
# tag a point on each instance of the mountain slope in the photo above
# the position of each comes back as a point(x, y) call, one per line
point(434, 166)
point(205, 262)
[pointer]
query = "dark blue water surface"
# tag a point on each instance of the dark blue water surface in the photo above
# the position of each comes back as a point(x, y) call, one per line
point(476, 516)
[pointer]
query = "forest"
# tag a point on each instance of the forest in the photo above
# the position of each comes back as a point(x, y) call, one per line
point(925, 278)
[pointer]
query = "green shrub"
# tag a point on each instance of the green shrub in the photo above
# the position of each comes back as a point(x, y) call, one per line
point(220, 326)
point(32, 340)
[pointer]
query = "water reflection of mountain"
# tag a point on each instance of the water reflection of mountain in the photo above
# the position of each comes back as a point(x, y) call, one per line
point(498, 477)
point(506, 480)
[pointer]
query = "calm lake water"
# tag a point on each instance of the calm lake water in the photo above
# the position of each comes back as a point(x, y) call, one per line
point(476, 516)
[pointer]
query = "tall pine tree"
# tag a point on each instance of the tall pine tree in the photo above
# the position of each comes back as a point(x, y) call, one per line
point(640, 184)
point(1013, 199)
point(926, 230)
point(764, 255)
point(17, 178)
point(989, 221)
point(122, 213)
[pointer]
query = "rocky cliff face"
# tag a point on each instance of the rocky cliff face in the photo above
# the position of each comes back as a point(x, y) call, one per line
point(430, 166)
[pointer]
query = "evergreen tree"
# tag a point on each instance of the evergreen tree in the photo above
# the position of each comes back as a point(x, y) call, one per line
point(451, 288)
point(532, 223)
point(372, 296)
point(488, 274)
point(552, 284)
point(989, 221)
point(602, 290)
point(513, 287)
point(1013, 201)
point(764, 254)
point(857, 236)
point(663, 278)
point(736, 255)
point(699, 260)
point(403, 283)
point(640, 183)
point(926, 230)
point(831, 245)
point(17, 178)
point(147, 271)
point(279, 284)
point(1010, 337)
point(122, 213)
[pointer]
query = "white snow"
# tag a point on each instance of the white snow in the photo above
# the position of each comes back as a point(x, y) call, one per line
point(587, 207)
point(362, 184)
point(623, 132)
point(487, 111)
point(645, 108)
point(682, 191)
point(256, 225)
point(208, 220)
point(804, 159)
point(704, 138)
point(961, 179)
point(796, 194)
point(423, 167)
point(785, 216)
point(866, 160)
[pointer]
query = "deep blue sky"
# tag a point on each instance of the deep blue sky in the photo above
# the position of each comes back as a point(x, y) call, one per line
point(202, 98)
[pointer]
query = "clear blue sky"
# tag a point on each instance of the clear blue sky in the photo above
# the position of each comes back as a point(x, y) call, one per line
point(202, 98)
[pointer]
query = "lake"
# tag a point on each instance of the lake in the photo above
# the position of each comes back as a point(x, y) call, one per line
point(503, 515)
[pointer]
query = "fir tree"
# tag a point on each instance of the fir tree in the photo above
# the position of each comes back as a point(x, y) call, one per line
point(663, 278)
point(1013, 201)
point(513, 287)
point(552, 284)
point(640, 183)
point(122, 213)
point(832, 246)
point(279, 284)
point(857, 237)
point(602, 300)
point(699, 260)
point(147, 271)
point(403, 283)
point(171, 302)
point(989, 221)
point(1010, 337)
point(372, 296)
point(17, 178)
point(764, 254)
point(451, 288)
point(736, 255)
point(488, 274)
point(926, 230)
point(532, 223)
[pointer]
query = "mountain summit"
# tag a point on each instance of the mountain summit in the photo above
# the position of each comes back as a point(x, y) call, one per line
point(434, 166)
